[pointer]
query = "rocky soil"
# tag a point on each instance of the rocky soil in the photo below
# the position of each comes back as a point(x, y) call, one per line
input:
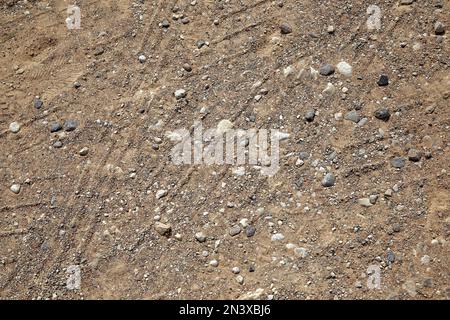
point(87, 182)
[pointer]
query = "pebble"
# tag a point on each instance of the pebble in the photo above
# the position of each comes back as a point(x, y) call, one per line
point(76, 84)
point(187, 67)
point(414, 155)
point(142, 58)
point(240, 279)
point(250, 231)
point(365, 202)
point(37, 103)
point(214, 263)
point(330, 29)
point(277, 237)
point(236, 270)
point(439, 28)
point(382, 114)
point(15, 188)
point(161, 193)
point(425, 259)
point(235, 230)
point(14, 127)
point(326, 70)
point(328, 180)
point(285, 28)
point(390, 257)
point(352, 116)
point(70, 125)
point(200, 236)
point(301, 252)
point(310, 115)
point(344, 68)
point(57, 144)
point(55, 127)
point(330, 89)
point(406, 2)
point(373, 198)
point(223, 126)
point(180, 94)
point(398, 162)
point(165, 24)
point(84, 151)
point(200, 43)
point(162, 228)
point(383, 80)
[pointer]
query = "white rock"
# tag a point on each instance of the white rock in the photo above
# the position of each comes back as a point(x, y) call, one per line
point(180, 93)
point(161, 193)
point(330, 89)
point(301, 252)
point(277, 237)
point(214, 263)
point(15, 188)
point(14, 127)
point(142, 58)
point(344, 68)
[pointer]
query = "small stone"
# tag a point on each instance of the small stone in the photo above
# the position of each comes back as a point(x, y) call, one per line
point(373, 198)
point(328, 180)
point(414, 155)
point(223, 126)
point(55, 127)
point(390, 257)
point(76, 84)
point(277, 237)
point(14, 127)
point(250, 231)
point(200, 43)
point(200, 236)
point(180, 94)
point(214, 263)
point(178, 237)
point(235, 230)
point(383, 80)
point(142, 58)
point(398, 162)
point(83, 152)
point(406, 2)
point(161, 193)
point(165, 24)
point(301, 252)
point(240, 279)
point(326, 70)
point(388, 193)
point(365, 202)
point(185, 20)
point(37, 103)
point(15, 188)
point(57, 144)
point(425, 259)
point(352, 116)
point(285, 28)
point(439, 28)
point(330, 29)
point(382, 114)
point(187, 67)
point(236, 270)
point(344, 68)
point(310, 115)
point(162, 228)
point(70, 125)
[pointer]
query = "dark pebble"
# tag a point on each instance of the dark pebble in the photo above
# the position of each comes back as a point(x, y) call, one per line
point(382, 114)
point(55, 127)
point(37, 103)
point(326, 70)
point(383, 81)
point(310, 115)
point(285, 28)
point(250, 231)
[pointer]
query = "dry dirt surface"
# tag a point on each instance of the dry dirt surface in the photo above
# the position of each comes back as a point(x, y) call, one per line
point(359, 208)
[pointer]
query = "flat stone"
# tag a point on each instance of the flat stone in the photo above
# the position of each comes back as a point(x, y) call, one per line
point(162, 228)
point(365, 202)
point(84, 151)
point(235, 230)
point(277, 237)
point(70, 125)
point(352, 116)
point(161, 193)
point(398, 162)
point(414, 155)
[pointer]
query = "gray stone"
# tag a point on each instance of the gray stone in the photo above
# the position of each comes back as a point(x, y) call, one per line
point(352, 116)
point(55, 127)
point(37, 103)
point(162, 228)
point(310, 115)
point(326, 70)
point(235, 230)
point(70, 125)
point(414, 155)
point(382, 114)
point(285, 28)
point(398, 162)
point(250, 231)
point(439, 28)
point(328, 180)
